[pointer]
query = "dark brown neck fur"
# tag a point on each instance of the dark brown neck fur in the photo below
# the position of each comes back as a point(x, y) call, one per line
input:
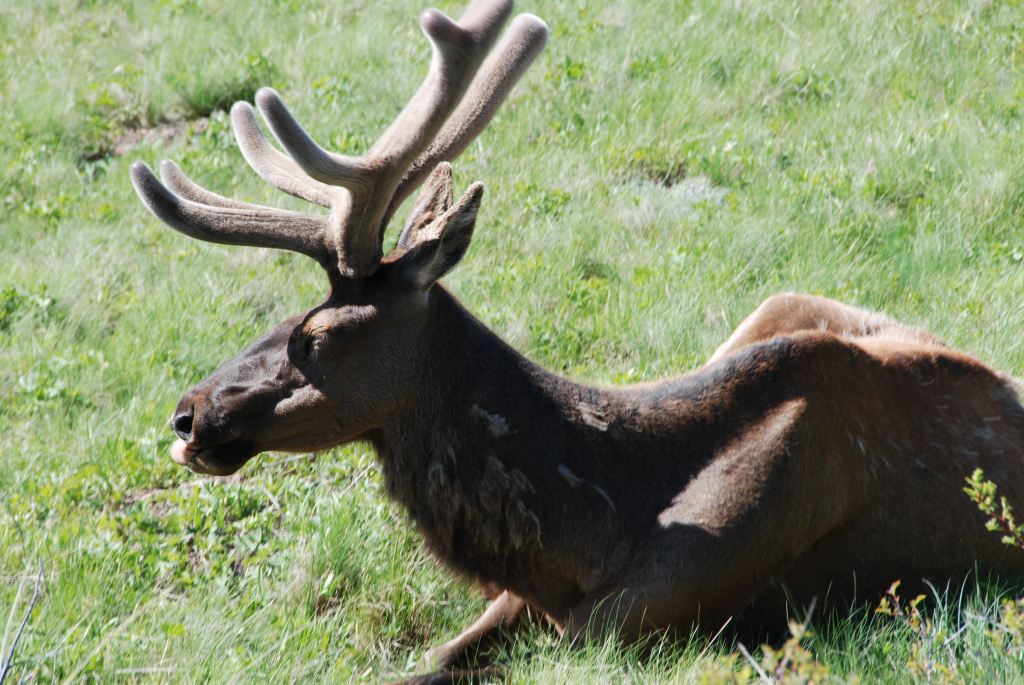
point(479, 456)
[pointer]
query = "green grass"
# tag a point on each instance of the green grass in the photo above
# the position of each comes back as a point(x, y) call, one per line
point(869, 151)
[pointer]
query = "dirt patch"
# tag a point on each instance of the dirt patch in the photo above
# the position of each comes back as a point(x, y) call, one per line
point(664, 173)
point(163, 134)
point(153, 495)
point(198, 560)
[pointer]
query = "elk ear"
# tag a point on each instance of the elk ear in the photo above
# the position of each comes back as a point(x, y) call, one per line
point(434, 200)
point(439, 245)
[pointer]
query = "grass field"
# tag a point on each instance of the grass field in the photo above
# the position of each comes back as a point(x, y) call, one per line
point(664, 167)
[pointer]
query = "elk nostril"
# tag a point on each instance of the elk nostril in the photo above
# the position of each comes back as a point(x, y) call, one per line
point(182, 424)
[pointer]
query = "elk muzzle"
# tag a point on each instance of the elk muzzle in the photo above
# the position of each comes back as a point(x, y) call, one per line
point(229, 417)
point(209, 438)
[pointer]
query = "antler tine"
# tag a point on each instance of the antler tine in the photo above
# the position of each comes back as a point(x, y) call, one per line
point(219, 220)
point(458, 50)
point(180, 184)
point(319, 164)
point(273, 167)
point(524, 40)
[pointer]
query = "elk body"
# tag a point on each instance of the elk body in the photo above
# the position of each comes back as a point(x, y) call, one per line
point(822, 449)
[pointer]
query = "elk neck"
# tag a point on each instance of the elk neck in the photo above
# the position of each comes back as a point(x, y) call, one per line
point(480, 450)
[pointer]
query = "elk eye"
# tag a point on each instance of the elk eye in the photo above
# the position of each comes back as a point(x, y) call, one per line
point(304, 347)
point(308, 346)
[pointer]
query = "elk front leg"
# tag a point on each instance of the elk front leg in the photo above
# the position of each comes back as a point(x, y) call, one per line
point(500, 613)
point(791, 312)
point(703, 593)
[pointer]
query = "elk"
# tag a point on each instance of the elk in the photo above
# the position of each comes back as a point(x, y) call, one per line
point(822, 449)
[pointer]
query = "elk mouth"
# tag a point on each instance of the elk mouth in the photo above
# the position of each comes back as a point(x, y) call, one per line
point(213, 460)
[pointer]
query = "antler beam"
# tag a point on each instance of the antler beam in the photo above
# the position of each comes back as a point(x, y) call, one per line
point(217, 219)
point(446, 113)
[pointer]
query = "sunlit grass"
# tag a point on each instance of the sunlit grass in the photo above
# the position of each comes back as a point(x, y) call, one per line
point(867, 151)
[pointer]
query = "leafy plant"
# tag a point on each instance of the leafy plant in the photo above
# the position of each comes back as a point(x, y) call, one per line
point(1001, 517)
point(932, 658)
point(15, 303)
point(793, 663)
point(1007, 633)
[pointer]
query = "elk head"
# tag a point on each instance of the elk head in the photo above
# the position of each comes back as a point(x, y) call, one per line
point(333, 374)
